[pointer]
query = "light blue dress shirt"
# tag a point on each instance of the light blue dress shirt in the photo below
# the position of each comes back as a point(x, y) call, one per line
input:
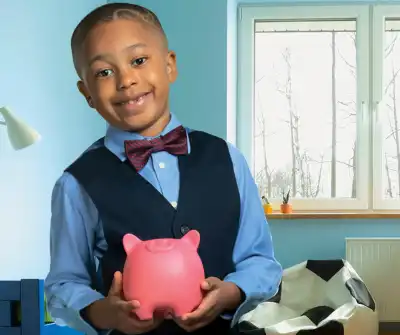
point(77, 240)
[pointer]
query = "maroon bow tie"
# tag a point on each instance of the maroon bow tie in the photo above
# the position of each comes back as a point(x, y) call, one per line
point(138, 152)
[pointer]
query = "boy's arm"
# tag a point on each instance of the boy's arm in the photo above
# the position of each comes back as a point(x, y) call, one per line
point(258, 274)
point(72, 240)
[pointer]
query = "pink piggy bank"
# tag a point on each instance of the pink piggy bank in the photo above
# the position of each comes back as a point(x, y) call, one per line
point(163, 274)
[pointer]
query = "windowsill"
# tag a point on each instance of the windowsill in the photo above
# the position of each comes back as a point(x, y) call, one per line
point(334, 215)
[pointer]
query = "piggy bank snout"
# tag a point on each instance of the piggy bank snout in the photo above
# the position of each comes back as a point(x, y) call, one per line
point(160, 245)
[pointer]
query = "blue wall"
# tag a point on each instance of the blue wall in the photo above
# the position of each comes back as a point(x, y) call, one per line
point(203, 32)
point(39, 83)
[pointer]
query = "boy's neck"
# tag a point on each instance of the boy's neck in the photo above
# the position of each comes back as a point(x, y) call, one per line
point(157, 128)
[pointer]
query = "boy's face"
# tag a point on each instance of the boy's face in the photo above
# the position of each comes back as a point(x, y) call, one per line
point(126, 71)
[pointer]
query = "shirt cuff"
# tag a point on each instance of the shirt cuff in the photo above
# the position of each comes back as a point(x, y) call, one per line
point(71, 316)
point(251, 298)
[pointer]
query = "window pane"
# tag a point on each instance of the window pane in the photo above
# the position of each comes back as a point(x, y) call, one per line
point(389, 109)
point(305, 108)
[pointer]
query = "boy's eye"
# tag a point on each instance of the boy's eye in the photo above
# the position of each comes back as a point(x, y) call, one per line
point(139, 61)
point(104, 73)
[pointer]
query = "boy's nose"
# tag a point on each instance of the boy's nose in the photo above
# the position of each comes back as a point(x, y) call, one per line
point(126, 80)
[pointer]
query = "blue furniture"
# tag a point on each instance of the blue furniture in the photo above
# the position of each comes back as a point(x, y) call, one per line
point(53, 329)
point(22, 310)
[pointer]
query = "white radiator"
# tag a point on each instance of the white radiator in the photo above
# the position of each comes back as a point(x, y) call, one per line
point(377, 261)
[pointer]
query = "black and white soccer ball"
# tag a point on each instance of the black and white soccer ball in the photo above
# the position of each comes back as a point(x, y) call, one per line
point(316, 297)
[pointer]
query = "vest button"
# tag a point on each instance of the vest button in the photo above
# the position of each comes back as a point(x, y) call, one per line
point(184, 230)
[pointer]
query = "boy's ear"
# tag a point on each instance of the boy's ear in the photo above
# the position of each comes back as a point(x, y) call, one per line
point(172, 70)
point(82, 88)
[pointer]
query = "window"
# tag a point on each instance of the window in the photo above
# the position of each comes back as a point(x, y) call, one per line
point(319, 104)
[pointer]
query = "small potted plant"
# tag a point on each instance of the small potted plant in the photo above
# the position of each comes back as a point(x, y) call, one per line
point(267, 206)
point(286, 207)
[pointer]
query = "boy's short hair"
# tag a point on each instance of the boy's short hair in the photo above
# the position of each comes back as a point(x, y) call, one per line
point(106, 13)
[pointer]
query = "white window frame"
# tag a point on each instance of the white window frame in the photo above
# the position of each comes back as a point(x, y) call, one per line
point(247, 17)
point(380, 14)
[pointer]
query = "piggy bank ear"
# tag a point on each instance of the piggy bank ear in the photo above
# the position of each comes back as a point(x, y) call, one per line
point(129, 241)
point(192, 237)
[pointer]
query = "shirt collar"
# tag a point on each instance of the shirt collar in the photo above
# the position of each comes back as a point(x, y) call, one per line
point(115, 138)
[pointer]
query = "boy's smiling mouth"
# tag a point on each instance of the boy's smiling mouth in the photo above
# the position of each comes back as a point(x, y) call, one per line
point(133, 101)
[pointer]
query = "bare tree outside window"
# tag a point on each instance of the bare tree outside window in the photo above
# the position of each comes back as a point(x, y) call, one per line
point(390, 114)
point(305, 109)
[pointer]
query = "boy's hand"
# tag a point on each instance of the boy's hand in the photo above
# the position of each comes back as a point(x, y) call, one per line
point(220, 296)
point(113, 312)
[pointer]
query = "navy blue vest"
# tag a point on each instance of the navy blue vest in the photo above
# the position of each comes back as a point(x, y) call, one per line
point(209, 202)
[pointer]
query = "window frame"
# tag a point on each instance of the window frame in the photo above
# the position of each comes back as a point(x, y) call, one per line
point(247, 16)
point(379, 15)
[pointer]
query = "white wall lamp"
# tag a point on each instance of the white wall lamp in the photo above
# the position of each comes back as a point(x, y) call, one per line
point(20, 134)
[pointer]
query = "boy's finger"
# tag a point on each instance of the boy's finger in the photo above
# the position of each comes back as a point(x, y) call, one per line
point(129, 306)
point(206, 305)
point(116, 285)
point(210, 283)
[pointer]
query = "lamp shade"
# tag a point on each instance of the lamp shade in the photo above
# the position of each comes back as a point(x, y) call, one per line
point(20, 134)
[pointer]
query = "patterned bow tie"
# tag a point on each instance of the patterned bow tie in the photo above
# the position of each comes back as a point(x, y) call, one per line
point(138, 152)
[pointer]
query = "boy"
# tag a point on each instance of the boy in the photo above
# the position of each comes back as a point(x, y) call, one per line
point(154, 178)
